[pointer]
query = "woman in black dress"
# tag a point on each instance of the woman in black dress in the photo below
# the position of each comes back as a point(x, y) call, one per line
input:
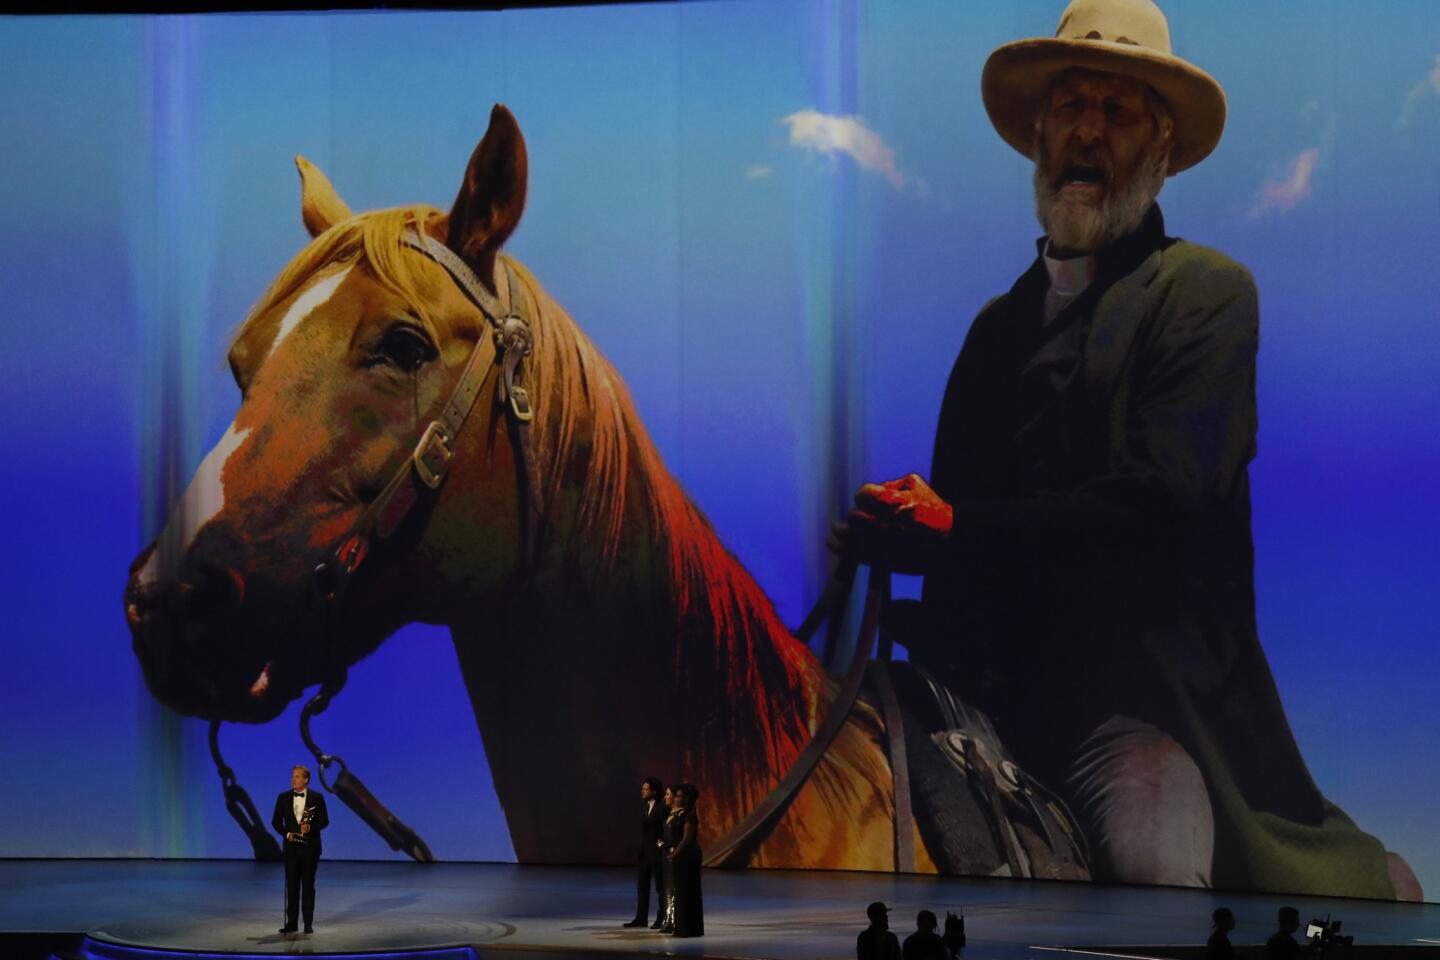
point(682, 833)
point(670, 833)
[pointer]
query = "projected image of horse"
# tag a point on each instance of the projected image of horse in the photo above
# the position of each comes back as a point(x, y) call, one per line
point(631, 643)
point(634, 643)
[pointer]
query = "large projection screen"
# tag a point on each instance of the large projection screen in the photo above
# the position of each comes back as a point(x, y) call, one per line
point(776, 221)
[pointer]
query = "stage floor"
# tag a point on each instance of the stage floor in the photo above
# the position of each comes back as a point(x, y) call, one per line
point(235, 906)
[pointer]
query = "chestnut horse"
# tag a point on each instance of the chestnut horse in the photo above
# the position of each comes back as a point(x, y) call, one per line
point(632, 643)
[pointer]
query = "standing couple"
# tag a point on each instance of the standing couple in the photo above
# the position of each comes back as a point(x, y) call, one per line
point(670, 858)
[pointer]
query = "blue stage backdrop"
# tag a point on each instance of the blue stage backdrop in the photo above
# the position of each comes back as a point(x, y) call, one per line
point(777, 221)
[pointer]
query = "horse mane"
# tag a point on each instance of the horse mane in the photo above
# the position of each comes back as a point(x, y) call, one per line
point(750, 651)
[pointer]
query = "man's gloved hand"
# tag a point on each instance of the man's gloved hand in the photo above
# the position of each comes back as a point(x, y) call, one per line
point(901, 525)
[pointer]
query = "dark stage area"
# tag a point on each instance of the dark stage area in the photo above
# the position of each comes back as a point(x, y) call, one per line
point(234, 908)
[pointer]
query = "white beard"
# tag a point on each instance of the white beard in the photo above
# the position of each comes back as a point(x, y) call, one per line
point(1076, 226)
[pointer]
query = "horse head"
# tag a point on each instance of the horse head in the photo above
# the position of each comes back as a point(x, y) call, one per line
point(345, 366)
point(341, 365)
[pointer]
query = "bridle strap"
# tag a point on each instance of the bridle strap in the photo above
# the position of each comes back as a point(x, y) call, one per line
point(424, 469)
point(429, 463)
point(423, 473)
point(474, 288)
point(514, 341)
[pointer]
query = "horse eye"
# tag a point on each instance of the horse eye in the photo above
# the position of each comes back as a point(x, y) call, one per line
point(406, 349)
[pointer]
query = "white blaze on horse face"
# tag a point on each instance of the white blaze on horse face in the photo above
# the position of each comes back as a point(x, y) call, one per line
point(306, 304)
point(202, 500)
point(205, 496)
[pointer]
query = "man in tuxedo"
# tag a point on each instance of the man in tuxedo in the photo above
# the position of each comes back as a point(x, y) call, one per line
point(299, 817)
point(652, 819)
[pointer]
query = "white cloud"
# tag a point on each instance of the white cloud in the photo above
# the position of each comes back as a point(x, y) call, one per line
point(758, 171)
point(829, 134)
point(1280, 195)
point(1424, 89)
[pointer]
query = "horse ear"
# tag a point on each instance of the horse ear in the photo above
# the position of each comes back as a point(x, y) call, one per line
point(320, 206)
point(492, 197)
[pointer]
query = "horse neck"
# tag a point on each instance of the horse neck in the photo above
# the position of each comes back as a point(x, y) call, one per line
point(639, 646)
point(663, 658)
point(745, 693)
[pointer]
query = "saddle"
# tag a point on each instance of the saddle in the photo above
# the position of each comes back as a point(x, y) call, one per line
point(977, 811)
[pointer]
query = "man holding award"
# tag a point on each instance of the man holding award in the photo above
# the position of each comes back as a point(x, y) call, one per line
point(300, 816)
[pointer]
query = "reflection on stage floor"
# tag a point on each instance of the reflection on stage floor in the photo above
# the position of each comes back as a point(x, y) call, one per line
point(235, 907)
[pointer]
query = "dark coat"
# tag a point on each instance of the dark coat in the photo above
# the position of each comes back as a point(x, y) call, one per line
point(874, 944)
point(284, 819)
point(1126, 586)
point(651, 825)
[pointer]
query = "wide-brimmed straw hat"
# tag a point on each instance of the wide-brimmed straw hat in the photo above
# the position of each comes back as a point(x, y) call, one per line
point(1126, 37)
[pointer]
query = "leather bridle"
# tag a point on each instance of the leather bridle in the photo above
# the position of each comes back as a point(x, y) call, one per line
point(423, 473)
point(425, 469)
point(418, 477)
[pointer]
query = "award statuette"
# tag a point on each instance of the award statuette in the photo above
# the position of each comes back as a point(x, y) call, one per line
point(305, 818)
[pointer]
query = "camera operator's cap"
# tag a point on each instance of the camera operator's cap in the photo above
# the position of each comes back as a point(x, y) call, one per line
point(876, 910)
point(1126, 37)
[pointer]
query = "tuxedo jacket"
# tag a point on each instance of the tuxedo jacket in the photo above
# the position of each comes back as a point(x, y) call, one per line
point(284, 820)
point(651, 824)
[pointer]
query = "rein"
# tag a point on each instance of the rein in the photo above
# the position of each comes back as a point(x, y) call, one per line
point(741, 841)
point(1005, 792)
point(420, 476)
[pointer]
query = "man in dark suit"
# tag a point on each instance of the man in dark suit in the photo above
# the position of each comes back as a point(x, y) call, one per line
point(1085, 533)
point(652, 819)
point(299, 817)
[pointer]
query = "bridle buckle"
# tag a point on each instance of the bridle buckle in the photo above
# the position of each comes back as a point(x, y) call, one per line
point(520, 403)
point(432, 455)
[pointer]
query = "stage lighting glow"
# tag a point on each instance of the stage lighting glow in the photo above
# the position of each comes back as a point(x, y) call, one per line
point(93, 949)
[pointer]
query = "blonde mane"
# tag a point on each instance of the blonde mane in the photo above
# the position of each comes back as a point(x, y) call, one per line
point(737, 668)
point(567, 370)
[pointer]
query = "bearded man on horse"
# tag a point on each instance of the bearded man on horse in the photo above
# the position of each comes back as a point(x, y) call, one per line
point(1085, 536)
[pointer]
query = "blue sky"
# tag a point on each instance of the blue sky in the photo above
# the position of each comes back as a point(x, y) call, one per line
point(777, 219)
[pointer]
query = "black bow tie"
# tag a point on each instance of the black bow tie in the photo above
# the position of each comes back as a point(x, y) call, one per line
point(298, 793)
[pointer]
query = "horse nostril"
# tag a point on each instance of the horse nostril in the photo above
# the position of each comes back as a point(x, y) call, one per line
point(211, 590)
point(139, 605)
point(144, 601)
